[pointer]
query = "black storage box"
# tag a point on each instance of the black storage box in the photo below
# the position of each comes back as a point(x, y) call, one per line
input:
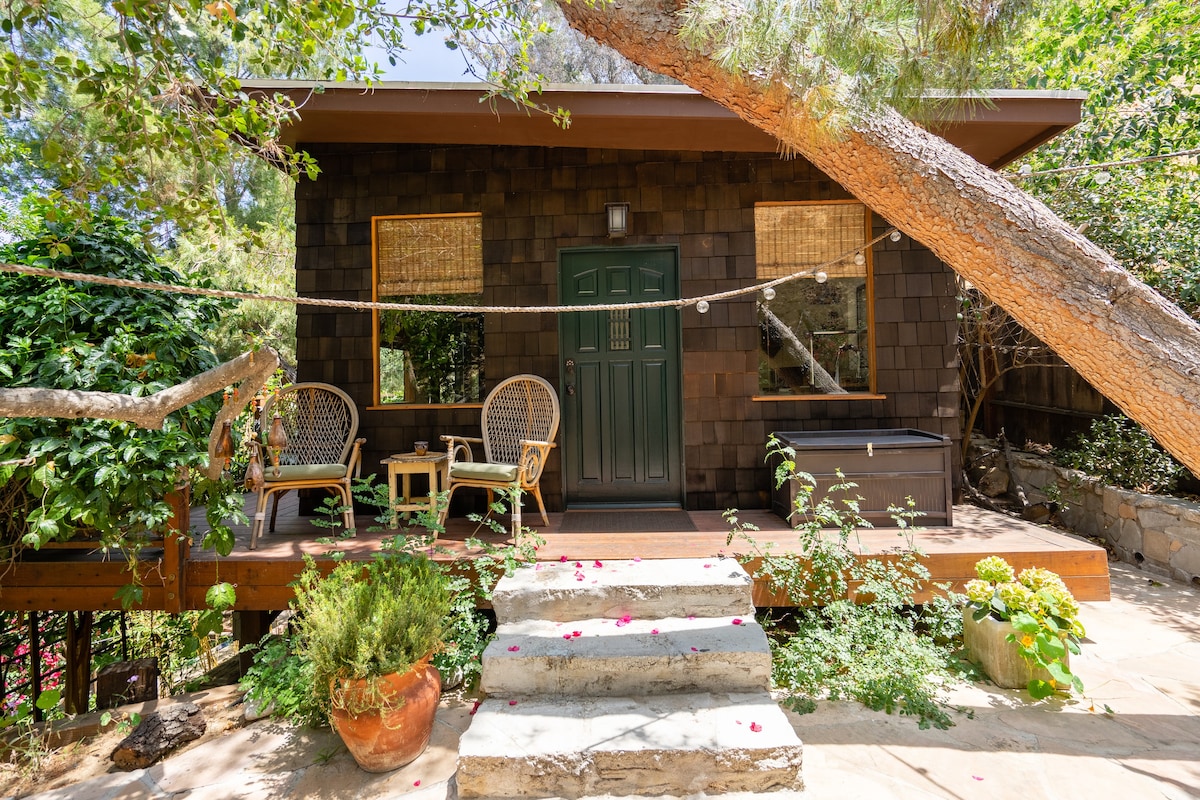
point(889, 465)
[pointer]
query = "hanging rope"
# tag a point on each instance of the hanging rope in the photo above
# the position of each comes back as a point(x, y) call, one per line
point(363, 305)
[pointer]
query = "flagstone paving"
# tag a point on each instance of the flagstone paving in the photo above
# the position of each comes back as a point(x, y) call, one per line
point(1136, 734)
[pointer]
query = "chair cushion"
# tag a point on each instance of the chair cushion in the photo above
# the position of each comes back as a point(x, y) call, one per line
point(483, 471)
point(305, 472)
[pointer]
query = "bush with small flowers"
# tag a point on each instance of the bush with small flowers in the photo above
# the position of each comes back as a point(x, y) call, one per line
point(1043, 612)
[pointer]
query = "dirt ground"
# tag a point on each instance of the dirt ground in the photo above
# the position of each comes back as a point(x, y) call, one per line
point(37, 767)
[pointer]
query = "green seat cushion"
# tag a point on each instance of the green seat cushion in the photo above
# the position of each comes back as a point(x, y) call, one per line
point(305, 472)
point(482, 471)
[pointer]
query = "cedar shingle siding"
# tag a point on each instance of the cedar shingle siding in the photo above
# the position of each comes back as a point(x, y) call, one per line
point(537, 200)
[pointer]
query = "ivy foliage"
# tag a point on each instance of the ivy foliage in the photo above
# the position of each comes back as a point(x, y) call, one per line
point(101, 478)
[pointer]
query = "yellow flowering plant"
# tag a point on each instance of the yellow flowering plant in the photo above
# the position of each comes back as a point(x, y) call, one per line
point(1043, 613)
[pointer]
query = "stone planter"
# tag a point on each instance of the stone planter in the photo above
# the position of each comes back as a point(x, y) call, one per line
point(987, 646)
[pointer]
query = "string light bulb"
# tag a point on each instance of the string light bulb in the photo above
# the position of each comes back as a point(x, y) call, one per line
point(769, 293)
point(860, 259)
point(821, 277)
point(702, 306)
point(895, 236)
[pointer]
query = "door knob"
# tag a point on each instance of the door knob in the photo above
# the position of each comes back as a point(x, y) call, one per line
point(570, 390)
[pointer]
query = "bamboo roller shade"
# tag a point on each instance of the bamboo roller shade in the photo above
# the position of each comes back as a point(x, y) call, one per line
point(429, 255)
point(793, 238)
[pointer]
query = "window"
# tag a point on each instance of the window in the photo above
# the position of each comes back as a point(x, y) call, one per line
point(428, 357)
point(815, 335)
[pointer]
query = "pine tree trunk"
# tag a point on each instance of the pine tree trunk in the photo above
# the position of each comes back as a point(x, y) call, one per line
point(1133, 345)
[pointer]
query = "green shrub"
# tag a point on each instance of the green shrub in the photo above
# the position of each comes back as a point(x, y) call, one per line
point(363, 621)
point(856, 632)
point(1121, 453)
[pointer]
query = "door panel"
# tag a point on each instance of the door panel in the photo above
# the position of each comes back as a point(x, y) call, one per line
point(621, 377)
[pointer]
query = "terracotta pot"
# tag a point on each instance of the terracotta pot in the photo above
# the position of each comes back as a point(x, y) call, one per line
point(385, 739)
point(988, 646)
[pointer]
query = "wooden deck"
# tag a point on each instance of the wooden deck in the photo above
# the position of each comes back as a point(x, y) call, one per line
point(74, 579)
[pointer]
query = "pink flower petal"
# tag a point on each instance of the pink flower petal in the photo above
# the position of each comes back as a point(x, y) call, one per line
point(691, 616)
point(637, 558)
point(976, 777)
point(566, 636)
point(576, 634)
point(737, 622)
point(754, 726)
point(537, 568)
point(708, 566)
point(562, 559)
point(694, 650)
point(416, 783)
point(512, 702)
point(578, 565)
point(597, 564)
point(654, 632)
point(475, 707)
point(514, 648)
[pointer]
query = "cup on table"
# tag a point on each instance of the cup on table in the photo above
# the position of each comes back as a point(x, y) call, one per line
point(420, 448)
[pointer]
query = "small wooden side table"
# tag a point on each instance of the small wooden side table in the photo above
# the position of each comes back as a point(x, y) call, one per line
point(408, 464)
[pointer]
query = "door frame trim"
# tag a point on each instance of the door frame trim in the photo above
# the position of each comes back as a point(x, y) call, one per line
point(678, 293)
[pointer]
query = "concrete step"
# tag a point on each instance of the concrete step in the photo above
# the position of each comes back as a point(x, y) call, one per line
point(678, 587)
point(635, 657)
point(674, 745)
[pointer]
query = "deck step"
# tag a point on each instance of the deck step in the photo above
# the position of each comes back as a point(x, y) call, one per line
point(578, 590)
point(677, 744)
point(616, 657)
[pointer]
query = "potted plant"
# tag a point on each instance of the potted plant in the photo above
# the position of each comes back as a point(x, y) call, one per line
point(1020, 628)
point(369, 632)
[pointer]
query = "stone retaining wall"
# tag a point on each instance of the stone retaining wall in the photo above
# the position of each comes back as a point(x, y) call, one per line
point(1159, 534)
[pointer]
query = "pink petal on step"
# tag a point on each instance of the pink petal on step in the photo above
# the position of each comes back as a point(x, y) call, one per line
point(597, 564)
point(562, 559)
point(637, 558)
point(512, 702)
point(416, 783)
point(566, 636)
point(514, 648)
point(475, 707)
point(694, 650)
point(737, 622)
point(576, 634)
point(654, 632)
point(754, 726)
point(578, 564)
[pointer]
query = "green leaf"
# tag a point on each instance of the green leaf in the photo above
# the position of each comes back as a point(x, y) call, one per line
point(48, 699)
point(221, 596)
point(1040, 689)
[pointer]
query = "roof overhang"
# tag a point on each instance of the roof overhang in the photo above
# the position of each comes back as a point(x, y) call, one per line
point(995, 132)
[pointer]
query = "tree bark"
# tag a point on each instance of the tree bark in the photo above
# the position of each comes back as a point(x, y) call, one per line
point(250, 369)
point(1133, 345)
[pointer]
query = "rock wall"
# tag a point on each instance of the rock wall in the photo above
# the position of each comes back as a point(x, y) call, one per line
point(1157, 533)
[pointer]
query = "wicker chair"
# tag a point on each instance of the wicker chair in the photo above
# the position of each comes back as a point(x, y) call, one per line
point(519, 422)
point(321, 452)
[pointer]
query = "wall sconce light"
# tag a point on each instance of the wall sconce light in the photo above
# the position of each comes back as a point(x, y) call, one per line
point(618, 219)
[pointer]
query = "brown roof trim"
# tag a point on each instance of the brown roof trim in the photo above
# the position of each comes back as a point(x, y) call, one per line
point(1009, 125)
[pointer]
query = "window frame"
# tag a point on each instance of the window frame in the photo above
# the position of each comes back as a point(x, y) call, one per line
point(872, 392)
point(377, 404)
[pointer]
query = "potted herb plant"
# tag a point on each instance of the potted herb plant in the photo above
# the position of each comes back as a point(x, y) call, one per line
point(1021, 628)
point(369, 632)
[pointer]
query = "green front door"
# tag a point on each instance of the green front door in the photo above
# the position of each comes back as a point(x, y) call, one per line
point(621, 377)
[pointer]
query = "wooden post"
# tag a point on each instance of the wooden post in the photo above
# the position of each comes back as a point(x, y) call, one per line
point(79, 661)
point(176, 547)
point(35, 665)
